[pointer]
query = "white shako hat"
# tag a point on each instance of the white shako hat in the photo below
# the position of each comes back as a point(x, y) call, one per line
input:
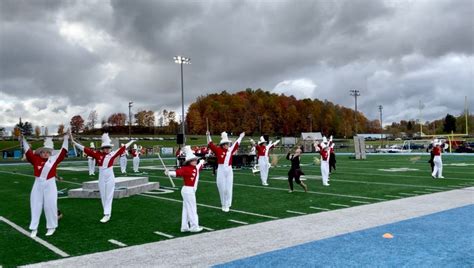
point(92, 145)
point(106, 141)
point(48, 145)
point(224, 138)
point(189, 155)
point(262, 140)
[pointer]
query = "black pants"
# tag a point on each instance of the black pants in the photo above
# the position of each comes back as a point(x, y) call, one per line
point(332, 162)
point(294, 174)
point(431, 161)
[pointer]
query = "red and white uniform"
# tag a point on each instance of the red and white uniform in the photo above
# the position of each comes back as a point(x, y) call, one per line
point(136, 159)
point(324, 152)
point(44, 194)
point(123, 162)
point(190, 174)
point(263, 160)
point(438, 163)
point(225, 175)
point(105, 163)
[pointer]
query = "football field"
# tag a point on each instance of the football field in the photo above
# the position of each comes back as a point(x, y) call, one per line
point(156, 215)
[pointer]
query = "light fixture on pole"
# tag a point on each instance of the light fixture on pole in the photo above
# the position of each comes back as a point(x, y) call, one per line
point(381, 126)
point(355, 93)
point(130, 119)
point(182, 60)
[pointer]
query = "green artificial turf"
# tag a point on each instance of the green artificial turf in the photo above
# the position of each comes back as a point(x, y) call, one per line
point(135, 219)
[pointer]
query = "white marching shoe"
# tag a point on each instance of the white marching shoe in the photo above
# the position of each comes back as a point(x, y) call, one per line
point(50, 232)
point(265, 184)
point(105, 219)
point(440, 177)
point(196, 230)
point(326, 184)
point(33, 233)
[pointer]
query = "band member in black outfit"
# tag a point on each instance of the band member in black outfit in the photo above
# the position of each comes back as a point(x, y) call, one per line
point(431, 161)
point(295, 170)
point(332, 159)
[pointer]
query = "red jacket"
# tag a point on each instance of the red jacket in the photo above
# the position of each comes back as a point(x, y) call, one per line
point(436, 150)
point(39, 163)
point(262, 150)
point(221, 153)
point(102, 159)
point(324, 154)
point(189, 174)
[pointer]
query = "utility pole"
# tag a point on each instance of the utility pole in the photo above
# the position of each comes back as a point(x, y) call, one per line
point(130, 120)
point(381, 126)
point(355, 93)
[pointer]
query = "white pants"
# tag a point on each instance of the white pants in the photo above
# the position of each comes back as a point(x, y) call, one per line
point(91, 163)
point(189, 219)
point(106, 188)
point(123, 164)
point(225, 179)
point(438, 167)
point(136, 163)
point(264, 166)
point(325, 171)
point(44, 195)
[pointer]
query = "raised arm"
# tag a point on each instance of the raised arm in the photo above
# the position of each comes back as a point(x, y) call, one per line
point(236, 144)
point(64, 149)
point(30, 156)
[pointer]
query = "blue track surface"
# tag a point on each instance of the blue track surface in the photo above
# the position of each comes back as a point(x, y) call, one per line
point(444, 239)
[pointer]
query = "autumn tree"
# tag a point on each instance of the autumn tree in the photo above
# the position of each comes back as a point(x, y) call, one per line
point(117, 119)
point(77, 124)
point(61, 129)
point(449, 124)
point(145, 118)
point(92, 119)
point(37, 131)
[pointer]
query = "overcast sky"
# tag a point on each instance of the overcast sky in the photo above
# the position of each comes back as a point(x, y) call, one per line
point(61, 58)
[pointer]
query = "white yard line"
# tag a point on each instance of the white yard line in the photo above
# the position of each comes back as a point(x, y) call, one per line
point(394, 196)
point(406, 176)
point(391, 184)
point(296, 212)
point(207, 228)
point(360, 202)
point(118, 243)
point(407, 194)
point(325, 209)
point(311, 192)
point(63, 197)
point(163, 234)
point(339, 205)
point(422, 192)
point(37, 239)
point(214, 207)
point(239, 222)
point(433, 190)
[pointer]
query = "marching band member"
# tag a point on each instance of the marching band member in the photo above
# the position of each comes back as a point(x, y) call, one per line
point(44, 194)
point(136, 152)
point(91, 162)
point(438, 163)
point(263, 163)
point(190, 172)
point(123, 161)
point(295, 170)
point(105, 160)
point(323, 149)
point(225, 175)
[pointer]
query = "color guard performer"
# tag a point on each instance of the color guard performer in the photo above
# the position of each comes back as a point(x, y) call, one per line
point(295, 170)
point(105, 160)
point(190, 172)
point(225, 175)
point(44, 194)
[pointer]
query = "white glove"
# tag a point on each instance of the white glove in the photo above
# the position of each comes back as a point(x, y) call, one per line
point(208, 135)
point(167, 172)
point(278, 141)
point(80, 146)
point(26, 146)
point(242, 135)
point(129, 143)
point(330, 138)
point(66, 141)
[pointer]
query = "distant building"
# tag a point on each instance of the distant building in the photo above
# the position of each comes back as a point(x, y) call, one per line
point(308, 138)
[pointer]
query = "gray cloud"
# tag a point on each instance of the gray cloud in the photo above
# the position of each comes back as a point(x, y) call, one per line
point(99, 54)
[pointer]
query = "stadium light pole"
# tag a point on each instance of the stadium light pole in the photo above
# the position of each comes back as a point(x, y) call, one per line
point(355, 93)
point(182, 60)
point(130, 120)
point(381, 126)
